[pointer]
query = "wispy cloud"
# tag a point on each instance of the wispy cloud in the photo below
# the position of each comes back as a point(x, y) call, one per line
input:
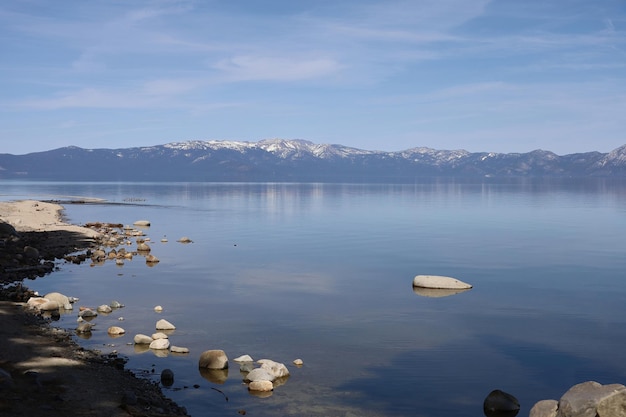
point(248, 68)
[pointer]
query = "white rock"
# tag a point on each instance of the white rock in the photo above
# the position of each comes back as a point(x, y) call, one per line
point(159, 335)
point(544, 408)
point(158, 309)
point(104, 309)
point(244, 358)
point(160, 344)
point(259, 374)
point(142, 223)
point(184, 239)
point(277, 369)
point(179, 349)
point(59, 298)
point(115, 330)
point(437, 281)
point(142, 339)
point(298, 362)
point(164, 325)
point(35, 302)
point(48, 306)
point(261, 386)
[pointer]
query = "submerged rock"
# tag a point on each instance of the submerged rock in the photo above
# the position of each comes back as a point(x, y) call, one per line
point(179, 349)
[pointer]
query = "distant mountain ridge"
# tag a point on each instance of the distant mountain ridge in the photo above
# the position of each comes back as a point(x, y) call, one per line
point(297, 160)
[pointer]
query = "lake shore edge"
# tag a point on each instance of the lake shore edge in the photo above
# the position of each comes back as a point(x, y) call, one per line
point(42, 369)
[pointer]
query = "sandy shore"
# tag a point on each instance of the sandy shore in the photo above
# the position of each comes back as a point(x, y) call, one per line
point(42, 370)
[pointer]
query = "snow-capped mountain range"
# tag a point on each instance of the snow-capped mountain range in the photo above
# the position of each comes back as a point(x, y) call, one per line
point(297, 160)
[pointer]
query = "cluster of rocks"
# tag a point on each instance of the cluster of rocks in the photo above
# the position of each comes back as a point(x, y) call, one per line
point(110, 237)
point(260, 380)
point(587, 399)
point(159, 342)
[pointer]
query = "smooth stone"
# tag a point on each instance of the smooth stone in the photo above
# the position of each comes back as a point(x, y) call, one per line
point(167, 377)
point(179, 349)
point(143, 247)
point(63, 300)
point(115, 330)
point(35, 302)
point(244, 358)
point(87, 313)
point(84, 327)
point(544, 408)
point(277, 369)
point(437, 281)
point(213, 359)
point(116, 304)
point(142, 223)
point(164, 325)
point(142, 339)
point(298, 362)
point(499, 401)
point(259, 374)
point(184, 239)
point(104, 309)
point(151, 259)
point(49, 305)
point(158, 309)
point(159, 335)
point(593, 399)
point(261, 386)
point(160, 344)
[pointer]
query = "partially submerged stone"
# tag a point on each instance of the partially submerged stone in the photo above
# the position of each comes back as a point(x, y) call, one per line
point(594, 399)
point(440, 282)
point(213, 359)
point(279, 370)
point(115, 330)
point(160, 344)
point(164, 325)
point(500, 402)
point(179, 349)
point(144, 223)
point(261, 386)
point(142, 339)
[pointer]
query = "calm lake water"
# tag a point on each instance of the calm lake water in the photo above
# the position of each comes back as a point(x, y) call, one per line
point(323, 272)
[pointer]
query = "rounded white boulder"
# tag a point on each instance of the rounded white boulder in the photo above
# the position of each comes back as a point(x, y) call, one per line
point(441, 282)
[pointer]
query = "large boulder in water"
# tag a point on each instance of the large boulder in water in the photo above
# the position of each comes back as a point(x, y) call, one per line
point(441, 282)
point(593, 399)
point(213, 359)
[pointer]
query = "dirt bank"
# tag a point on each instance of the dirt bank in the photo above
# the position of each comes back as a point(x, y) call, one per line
point(42, 370)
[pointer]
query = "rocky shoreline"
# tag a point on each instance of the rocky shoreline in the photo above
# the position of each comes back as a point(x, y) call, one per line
point(42, 370)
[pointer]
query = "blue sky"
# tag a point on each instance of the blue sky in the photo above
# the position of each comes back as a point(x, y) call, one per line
point(479, 75)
